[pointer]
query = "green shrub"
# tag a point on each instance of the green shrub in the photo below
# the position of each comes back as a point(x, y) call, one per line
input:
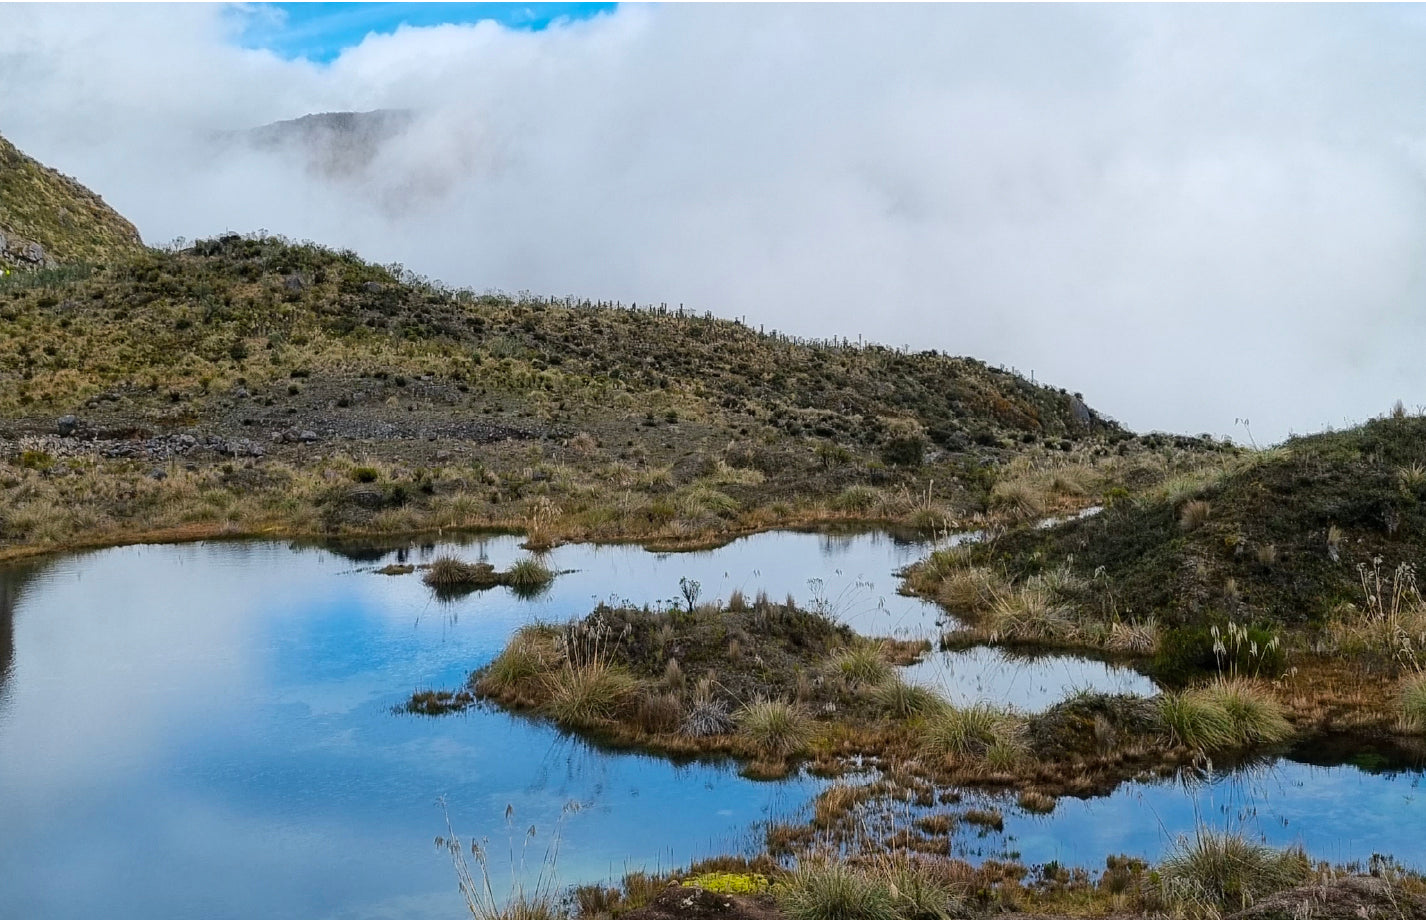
point(35, 460)
point(365, 474)
point(905, 450)
point(775, 727)
point(1188, 652)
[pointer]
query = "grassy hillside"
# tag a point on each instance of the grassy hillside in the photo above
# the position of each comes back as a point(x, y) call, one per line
point(311, 367)
point(66, 221)
point(258, 307)
point(1311, 548)
point(248, 385)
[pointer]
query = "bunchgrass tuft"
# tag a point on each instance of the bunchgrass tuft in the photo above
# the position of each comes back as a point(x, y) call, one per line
point(904, 701)
point(968, 588)
point(1194, 514)
point(587, 694)
point(1213, 873)
point(529, 574)
point(1413, 703)
point(1195, 722)
point(525, 659)
point(1228, 713)
point(1256, 716)
point(835, 891)
point(863, 663)
point(970, 731)
point(449, 572)
point(775, 727)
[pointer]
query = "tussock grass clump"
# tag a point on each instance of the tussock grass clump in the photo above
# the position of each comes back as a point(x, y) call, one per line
point(856, 500)
point(1138, 638)
point(1030, 612)
point(905, 701)
point(1018, 497)
point(864, 663)
point(1256, 717)
point(527, 656)
point(968, 588)
point(1195, 722)
point(836, 802)
point(919, 894)
point(990, 818)
point(588, 694)
point(1194, 514)
point(529, 574)
point(1228, 713)
point(775, 727)
point(450, 572)
point(707, 716)
point(660, 713)
point(971, 731)
point(1213, 873)
point(1413, 703)
point(1037, 803)
point(834, 891)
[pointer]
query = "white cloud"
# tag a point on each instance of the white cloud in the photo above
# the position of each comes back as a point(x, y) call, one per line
point(1191, 214)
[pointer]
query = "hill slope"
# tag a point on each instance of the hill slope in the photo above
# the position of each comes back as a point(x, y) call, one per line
point(1315, 542)
point(47, 218)
point(249, 384)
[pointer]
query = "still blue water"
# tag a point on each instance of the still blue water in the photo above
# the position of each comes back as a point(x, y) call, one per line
point(206, 730)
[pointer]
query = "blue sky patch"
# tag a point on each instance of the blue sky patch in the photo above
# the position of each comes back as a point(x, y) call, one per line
point(322, 31)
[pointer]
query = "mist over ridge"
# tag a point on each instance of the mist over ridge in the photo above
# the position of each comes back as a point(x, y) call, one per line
point(1190, 215)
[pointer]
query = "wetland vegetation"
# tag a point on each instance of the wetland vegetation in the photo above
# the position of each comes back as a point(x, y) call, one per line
point(253, 386)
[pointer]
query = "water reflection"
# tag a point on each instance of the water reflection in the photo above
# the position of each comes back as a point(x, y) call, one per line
point(12, 583)
point(207, 730)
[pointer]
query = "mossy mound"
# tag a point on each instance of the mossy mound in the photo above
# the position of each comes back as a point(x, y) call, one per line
point(1279, 541)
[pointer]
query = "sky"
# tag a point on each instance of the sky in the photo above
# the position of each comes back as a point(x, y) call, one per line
point(1193, 215)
